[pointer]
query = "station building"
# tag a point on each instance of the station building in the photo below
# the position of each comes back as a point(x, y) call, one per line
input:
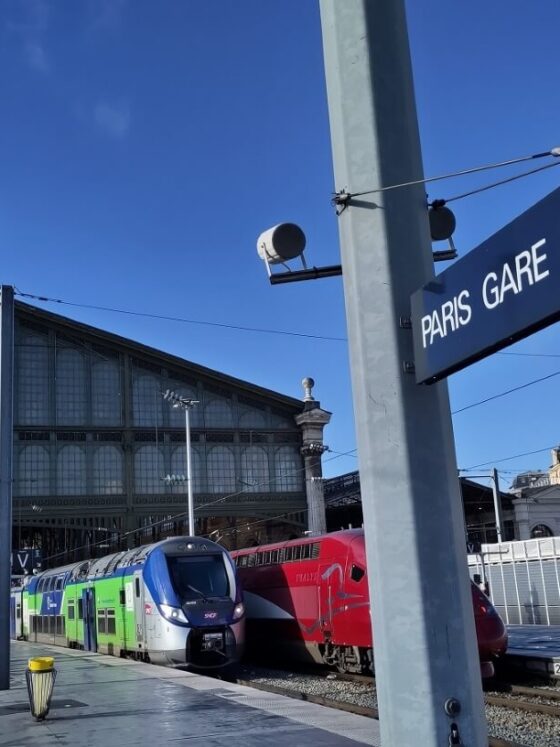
point(530, 509)
point(94, 438)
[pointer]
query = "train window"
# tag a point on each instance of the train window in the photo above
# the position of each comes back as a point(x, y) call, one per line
point(316, 550)
point(267, 557)
point(80, 609)
point(252, 559)
point(122, 596)
point(18, 611)
point(137, 586)
point(288, 554)
point(49, 586)
point(58, 585)
point(40, 585)
point(101, 628)
point(198, 576)
point(274, 556)
point(306, 552)
point(111, 623)
point(71, 611)
point(357, 573)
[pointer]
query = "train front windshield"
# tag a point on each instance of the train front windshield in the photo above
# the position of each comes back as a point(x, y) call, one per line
point(199, 577)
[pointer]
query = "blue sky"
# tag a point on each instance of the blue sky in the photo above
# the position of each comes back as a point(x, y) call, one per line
point(145, 146)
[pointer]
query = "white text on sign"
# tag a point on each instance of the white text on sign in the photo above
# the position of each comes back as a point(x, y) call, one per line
point(524, 270)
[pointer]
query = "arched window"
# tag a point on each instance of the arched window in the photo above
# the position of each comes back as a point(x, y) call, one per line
point(147, 401)
point(32, 380)
point(106, 393)
point(541, 530)
point(71, 471)
point(70, 387)
point(254, 470)
point(221, 470)
point(218, 414)
point(179, 467)
point(288, 465)
point(108, 471)
point(33, 471)
point(148, 469)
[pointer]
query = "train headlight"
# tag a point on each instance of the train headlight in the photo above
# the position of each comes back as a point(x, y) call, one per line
point(238, 611)
point(174, 614)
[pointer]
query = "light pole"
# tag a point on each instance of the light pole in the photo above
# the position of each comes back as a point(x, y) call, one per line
point(185, 403)
point(497, 501)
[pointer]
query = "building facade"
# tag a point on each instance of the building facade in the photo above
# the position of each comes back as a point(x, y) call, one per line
point(94, 438)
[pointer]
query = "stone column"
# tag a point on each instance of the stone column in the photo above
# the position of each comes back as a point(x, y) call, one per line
point(312, 422)
point(521, 513)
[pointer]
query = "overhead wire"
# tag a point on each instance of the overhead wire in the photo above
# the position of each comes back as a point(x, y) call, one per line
point(505, 393)
point(555, 152)
point(478, 190)
point(183, 320)
point(507, 459)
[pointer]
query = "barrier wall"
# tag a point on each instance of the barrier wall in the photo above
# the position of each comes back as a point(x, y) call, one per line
point(524, 579)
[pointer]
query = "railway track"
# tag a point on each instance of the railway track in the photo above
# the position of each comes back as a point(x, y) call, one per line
point(534, 702)
point(348, 707)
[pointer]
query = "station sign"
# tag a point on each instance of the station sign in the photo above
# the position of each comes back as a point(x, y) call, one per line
point(502, 291)
point(24, 561)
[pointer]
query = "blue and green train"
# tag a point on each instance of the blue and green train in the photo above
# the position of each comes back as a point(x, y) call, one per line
point(175, 602)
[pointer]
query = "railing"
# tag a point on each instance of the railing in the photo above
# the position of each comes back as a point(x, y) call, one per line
point(523, 579)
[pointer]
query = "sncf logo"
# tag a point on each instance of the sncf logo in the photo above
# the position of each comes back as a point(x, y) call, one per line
point(210, 615)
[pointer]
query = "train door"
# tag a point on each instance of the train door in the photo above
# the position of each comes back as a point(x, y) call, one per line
point(90, 629)
point(138, 591)
point(329, 584)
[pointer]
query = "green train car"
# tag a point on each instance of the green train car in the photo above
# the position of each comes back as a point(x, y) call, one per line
point(175, 602)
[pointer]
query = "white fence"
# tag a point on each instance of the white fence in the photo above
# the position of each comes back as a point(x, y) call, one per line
point(524, 579)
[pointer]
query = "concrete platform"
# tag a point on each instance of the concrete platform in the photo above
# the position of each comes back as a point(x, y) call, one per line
point(107, 701)
point(534, 648)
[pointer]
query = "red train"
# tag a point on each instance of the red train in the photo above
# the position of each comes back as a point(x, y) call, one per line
point(308, 599)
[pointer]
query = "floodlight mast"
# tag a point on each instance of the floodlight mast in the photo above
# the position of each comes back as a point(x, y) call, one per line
point(185, 403)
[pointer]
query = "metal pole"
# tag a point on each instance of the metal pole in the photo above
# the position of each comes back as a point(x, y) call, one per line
point(497, 503)
point(426, 659)
point(6, 446)
point(189, 476)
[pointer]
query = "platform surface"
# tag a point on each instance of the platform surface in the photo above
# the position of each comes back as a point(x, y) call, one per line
point(534, 649)
point(534, 640)
point(107, 701)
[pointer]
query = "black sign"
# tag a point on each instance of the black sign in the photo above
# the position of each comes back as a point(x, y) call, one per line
point(502, 291)
point(24, 561)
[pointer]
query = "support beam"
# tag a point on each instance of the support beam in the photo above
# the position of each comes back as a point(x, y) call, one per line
point(424, 636)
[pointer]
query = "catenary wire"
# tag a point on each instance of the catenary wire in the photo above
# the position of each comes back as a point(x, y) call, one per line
point(508, 391)
point(495, 184)
point(552, 152)
point(219, 324)
point(182, 320)
point(507, 459)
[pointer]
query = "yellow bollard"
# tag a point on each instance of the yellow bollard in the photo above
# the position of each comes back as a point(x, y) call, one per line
point(40, 676)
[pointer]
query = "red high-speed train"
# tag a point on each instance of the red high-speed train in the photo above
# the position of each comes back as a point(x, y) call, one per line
point(308, 599)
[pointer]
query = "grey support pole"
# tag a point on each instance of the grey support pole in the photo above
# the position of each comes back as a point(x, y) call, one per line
point(190, 506)
point(6, 446)
point(497, 503)
point(424, 637)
